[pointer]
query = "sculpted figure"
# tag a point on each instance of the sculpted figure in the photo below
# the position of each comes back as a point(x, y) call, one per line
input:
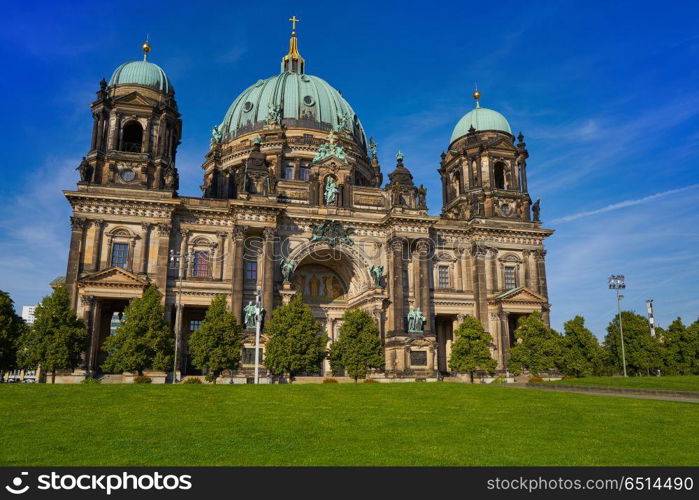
point(536, 210)
point(377, 273)
point(288, 266)
point(85, 170)
point(331, 191)
point(250, 312)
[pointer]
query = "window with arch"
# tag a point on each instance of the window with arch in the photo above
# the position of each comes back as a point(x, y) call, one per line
point(132, 137)
point(499, 175)
point(443, 277)
point(200, 265)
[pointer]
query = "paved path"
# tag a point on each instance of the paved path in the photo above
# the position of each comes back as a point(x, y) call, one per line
point(615, 392)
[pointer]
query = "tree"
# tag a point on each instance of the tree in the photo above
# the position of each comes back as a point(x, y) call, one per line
point(582, 355)
point(57, 339)
point(297, 342)
point(643, 352)
point(143, 339)
point(359, 346)
point(692, 347)
point(471, 348)
point(215, 346)
point(11, 328)
point(680, 346)
point(538, 347)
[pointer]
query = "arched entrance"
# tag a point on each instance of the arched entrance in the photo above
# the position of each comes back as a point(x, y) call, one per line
point(331, 280)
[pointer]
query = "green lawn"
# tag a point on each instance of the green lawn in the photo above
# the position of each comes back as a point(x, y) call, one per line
point(677, 383)
point(344, 424)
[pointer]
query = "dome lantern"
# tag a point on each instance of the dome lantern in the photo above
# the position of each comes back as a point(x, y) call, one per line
point(292, 62)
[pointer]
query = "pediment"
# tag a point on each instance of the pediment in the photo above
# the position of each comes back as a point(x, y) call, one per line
point(113, 276)
point(521, 295)
point(134, 98)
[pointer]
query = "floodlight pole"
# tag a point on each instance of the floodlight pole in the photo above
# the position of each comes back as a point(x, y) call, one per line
point(616, 282)
point(175, 263)
point(258, 324)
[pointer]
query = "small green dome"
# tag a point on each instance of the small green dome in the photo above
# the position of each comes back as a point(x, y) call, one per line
point(296, 99)
point(142, 73)
point(480, 119)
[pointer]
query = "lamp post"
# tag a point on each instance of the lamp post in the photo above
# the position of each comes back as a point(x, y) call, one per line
point(258, 324)
point(651, 317)
point(175, 263)
point(616, 282)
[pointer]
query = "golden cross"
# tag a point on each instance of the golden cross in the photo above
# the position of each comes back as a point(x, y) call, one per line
point(293, 22)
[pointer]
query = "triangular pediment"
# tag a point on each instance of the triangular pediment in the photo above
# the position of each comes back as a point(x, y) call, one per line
point(330, 158)
point(521, 294)
point(134, 98)
point(113, 276)
point(502, 144)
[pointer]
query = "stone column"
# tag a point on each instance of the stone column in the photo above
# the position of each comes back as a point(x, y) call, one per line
point(541, 272)
point(533, 272)
point(237, 284)
point(95, 336)
point(163, 258)
point(145, 247)
point(423, 285)
point(504, 348)
point(86, 303)
point(220, 256)
point(467, 267)
point(494, 269)
point(458, 270)
point(96, 245)
point(269, 236)
point(522, 270)
point(77, 236)
point(480, 291)
point(227, 261)
point(397, 298)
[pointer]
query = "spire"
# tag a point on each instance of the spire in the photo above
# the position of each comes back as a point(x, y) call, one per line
point(292, 62)
point(146, 48)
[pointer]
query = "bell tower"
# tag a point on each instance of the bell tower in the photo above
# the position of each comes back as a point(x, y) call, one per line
point(136, 130)
point(484, 172)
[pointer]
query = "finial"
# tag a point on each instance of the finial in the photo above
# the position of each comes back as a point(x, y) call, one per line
point(292, 62)
point(146, 48)
point(477, 96)
point(400, 156)
point(294, 20)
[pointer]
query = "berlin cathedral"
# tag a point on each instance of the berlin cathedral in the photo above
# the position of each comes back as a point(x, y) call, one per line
point(294, 202)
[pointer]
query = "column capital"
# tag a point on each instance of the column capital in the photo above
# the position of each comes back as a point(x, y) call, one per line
point(269, 233)
point(164, 229)
point(87, 300)
point(239, 232)
point(78, 222)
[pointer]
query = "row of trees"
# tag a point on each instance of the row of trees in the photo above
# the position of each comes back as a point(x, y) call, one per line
point(58, 338)
point(297, 343)
point(578, 353)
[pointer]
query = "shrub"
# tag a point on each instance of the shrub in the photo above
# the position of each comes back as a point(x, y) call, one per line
point(192, 380)
point(330, 381)
point(499, 380)
point(142, 379)
point(90, 381)
point(370, 381)
point(535, 379)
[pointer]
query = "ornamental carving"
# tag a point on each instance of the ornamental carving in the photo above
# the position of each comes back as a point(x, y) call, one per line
point(332, 232)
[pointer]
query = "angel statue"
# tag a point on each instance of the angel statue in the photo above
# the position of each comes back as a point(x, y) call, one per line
point(288, 266)
point(250, 315)
point(376, 273)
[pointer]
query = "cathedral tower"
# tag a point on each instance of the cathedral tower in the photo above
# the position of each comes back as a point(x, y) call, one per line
point(136, 130)
point(484, 172)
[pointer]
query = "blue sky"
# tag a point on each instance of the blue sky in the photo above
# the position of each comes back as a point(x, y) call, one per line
point(607, 95)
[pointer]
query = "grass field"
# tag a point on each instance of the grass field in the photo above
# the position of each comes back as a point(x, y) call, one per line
point(345, 424)
point(678, 383)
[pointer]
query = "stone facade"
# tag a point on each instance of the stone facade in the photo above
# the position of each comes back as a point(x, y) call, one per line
point(287, 189)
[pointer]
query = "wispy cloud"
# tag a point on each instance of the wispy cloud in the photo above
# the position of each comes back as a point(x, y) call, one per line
point(623, 204)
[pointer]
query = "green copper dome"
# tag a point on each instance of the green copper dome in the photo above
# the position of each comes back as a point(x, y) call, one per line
point(142, 73)
point(292, 99)
point(480, 119)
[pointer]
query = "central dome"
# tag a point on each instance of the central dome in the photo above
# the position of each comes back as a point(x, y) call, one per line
point(302, 100)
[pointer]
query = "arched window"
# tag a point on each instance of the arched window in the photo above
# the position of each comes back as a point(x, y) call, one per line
point(132, 137)
point(200, 266)
point(499, 174)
